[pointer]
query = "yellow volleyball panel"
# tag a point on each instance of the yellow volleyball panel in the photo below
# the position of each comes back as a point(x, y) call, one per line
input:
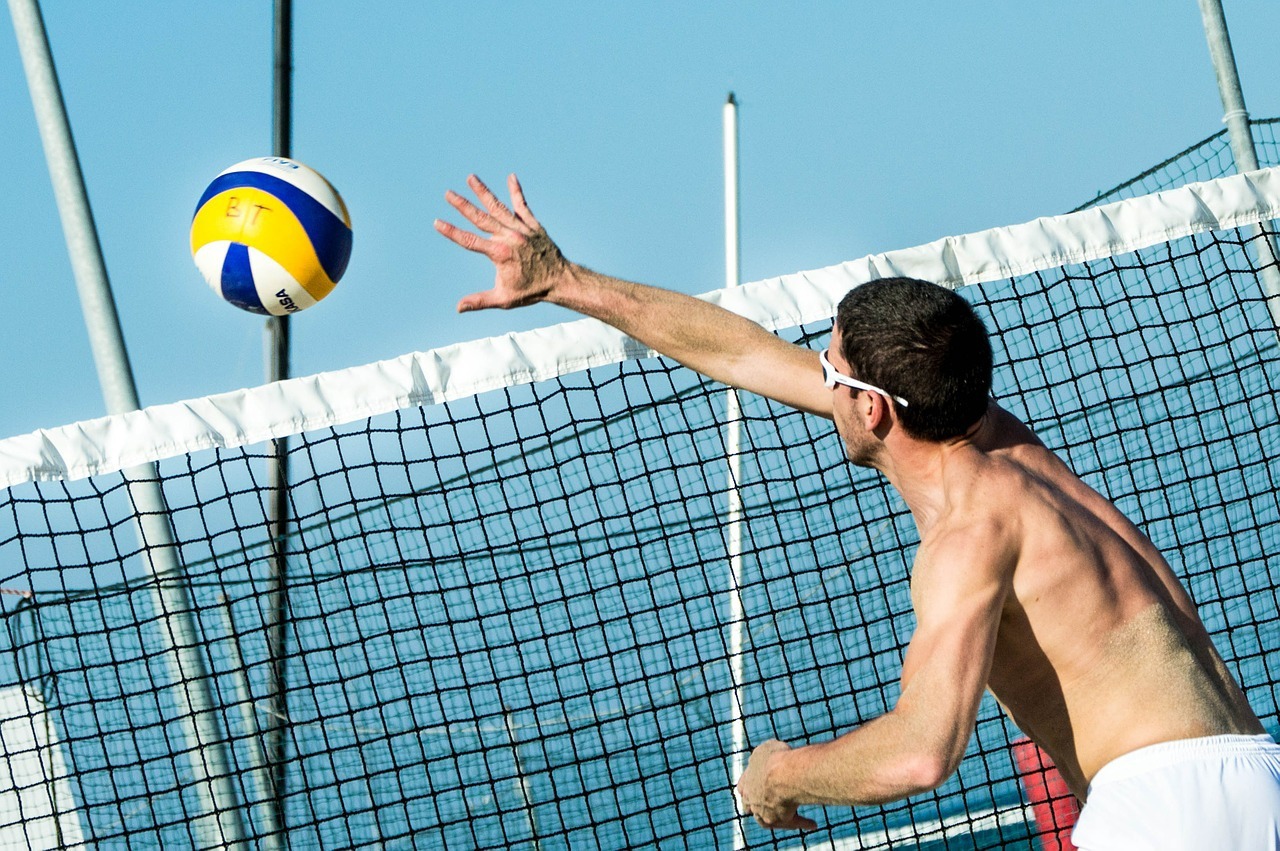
point(259, 220)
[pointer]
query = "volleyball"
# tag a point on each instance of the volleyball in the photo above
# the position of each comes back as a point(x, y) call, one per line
point(271, 236)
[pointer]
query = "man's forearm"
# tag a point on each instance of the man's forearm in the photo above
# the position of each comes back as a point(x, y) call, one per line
point(874, 764)
point(696, 333)
point(702, 336)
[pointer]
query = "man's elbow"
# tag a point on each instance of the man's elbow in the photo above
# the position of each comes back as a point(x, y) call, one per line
point(927, 770)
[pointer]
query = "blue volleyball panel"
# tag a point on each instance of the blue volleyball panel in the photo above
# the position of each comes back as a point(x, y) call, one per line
point(237, 280)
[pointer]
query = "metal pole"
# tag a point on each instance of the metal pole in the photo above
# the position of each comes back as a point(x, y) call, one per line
point(276, 342)
point(272, 837)
point(219, 823)
point(521, 783)
point(1236, 117)
point(733, 448)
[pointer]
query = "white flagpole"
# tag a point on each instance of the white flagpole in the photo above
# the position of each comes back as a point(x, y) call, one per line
point(733, 448)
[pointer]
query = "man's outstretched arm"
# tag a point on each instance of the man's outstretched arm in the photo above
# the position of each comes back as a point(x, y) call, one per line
point(704, 337)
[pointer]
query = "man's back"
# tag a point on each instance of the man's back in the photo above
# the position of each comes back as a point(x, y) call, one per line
point(1099, 649)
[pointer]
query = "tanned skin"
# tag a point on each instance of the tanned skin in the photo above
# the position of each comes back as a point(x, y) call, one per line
point(1027, 582)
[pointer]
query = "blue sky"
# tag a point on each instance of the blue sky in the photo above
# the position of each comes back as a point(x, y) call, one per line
point(864, 127)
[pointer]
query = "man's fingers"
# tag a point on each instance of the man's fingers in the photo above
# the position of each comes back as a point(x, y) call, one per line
point(491, 203)
point(473, 214)
point(520, 204)
point(793, 821)
point(495, 216)
point(799, 822)
point(465, 238)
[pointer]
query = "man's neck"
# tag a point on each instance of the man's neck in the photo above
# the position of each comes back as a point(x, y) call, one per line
point(922, 471)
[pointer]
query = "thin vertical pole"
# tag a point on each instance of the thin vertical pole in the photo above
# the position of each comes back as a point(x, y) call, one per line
point(219, 821)
point(1236, 117)
point(733, 448)
point(272, 838)
point(276, 342)
point(525, 795)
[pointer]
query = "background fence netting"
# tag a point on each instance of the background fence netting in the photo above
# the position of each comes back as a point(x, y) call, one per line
point(1207, 159)
point(508, 615)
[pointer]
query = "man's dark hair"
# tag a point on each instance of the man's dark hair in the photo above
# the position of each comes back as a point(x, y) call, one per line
point(924, 343)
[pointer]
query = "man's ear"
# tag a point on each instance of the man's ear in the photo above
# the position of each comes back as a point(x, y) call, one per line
point(876, 412)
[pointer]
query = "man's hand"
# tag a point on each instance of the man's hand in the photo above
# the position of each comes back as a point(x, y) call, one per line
point(762, 802)
point(527, 262)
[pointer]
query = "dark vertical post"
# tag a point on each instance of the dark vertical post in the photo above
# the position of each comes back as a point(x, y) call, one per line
point(277, 369)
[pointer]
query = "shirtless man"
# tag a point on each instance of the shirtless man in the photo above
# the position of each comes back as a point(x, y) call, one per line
point(1027, 582)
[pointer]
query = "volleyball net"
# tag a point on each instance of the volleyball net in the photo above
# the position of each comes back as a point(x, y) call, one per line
point(519, 610)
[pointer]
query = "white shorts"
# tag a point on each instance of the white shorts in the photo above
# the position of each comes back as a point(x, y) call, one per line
point(1210, 794)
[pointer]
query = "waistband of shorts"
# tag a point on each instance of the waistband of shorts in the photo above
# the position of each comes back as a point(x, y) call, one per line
point(1153, 757)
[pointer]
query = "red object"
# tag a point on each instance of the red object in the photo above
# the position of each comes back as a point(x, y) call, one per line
point(1054, 806)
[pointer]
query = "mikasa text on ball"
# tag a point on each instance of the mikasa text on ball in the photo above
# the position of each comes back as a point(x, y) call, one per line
point(271, 236)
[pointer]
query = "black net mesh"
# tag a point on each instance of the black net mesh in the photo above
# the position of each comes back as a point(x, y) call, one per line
point(1205, 160)
point(508, 616)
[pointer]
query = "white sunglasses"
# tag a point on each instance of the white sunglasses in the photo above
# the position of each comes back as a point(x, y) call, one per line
point(831, 377)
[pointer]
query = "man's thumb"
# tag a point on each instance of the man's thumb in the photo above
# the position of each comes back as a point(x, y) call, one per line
point(476, 301)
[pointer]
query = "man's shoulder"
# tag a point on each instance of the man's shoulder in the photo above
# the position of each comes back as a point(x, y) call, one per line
point(988, 539)
point(994, 489)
